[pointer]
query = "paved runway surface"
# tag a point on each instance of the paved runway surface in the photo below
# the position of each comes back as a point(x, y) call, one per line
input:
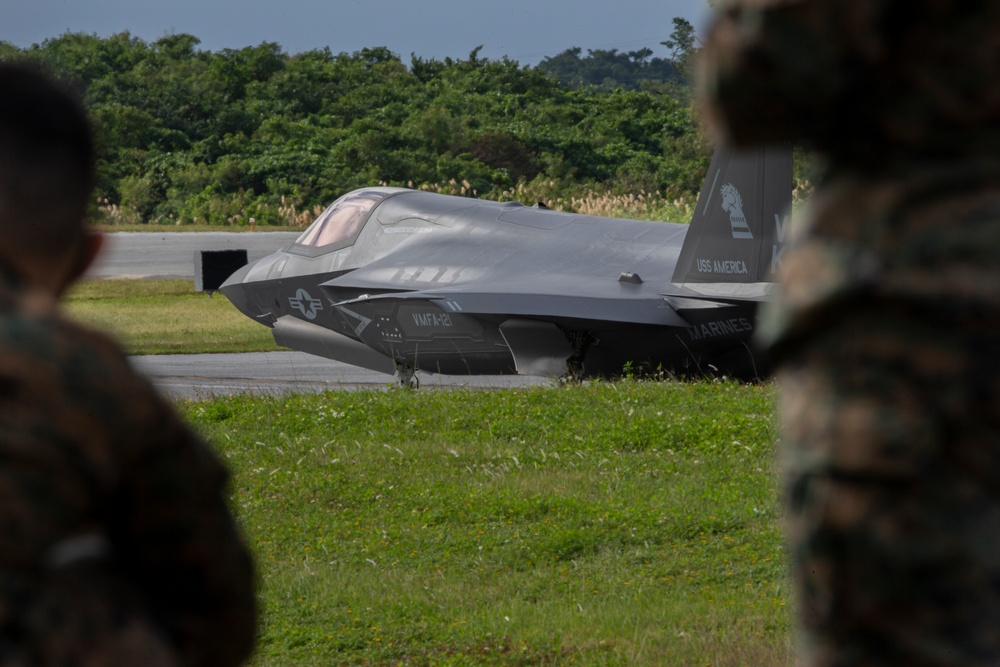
point(203, 376)
point(172, 254)
point(200, 376)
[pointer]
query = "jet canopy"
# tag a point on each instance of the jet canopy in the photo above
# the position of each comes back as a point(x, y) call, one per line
point(342, 221)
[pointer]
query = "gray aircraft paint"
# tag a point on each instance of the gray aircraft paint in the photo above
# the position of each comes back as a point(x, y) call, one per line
point(457, 285)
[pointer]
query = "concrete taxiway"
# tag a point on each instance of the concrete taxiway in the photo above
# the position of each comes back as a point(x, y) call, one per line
point(204, 376)
point(172, 254)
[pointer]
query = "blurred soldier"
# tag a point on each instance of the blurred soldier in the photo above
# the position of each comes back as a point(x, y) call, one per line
point(116, 544)
point(887, 332)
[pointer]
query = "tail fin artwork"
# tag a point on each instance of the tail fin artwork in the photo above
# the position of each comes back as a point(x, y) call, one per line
point(737, 234)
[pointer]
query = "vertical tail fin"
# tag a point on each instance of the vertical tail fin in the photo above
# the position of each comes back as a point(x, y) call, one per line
point(738, 231)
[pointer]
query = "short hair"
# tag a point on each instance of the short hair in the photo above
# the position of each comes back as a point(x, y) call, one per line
point(47, 162)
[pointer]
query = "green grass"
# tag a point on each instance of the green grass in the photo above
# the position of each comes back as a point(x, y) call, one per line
point(624, 523)
point(166, 317)
point(610, 524)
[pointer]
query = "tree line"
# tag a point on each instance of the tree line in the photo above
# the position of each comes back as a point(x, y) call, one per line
point(189, 135)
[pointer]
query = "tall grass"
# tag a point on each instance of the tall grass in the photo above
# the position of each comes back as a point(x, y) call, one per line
point(654, 206)
point(287, 214)
point(291, 214)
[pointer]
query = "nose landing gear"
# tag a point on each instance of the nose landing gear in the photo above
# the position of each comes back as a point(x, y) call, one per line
point(407, 377)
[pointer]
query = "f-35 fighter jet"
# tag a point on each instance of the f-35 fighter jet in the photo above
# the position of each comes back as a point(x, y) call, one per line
point(400, 281)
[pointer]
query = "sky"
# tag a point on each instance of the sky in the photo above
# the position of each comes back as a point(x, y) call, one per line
point(523, 30)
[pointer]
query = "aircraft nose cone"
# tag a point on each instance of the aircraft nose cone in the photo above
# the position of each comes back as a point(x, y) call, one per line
point(238, 276)
point(235, 290)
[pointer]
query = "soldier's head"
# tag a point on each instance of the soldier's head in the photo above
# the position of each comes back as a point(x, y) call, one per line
point(46, 175)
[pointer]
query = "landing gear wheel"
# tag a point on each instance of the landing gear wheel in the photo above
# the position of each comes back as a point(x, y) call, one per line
point(574, 372)
point(581, 342)
point(407, 377)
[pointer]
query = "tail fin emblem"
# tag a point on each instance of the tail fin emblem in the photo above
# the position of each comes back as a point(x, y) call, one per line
point(732, 203)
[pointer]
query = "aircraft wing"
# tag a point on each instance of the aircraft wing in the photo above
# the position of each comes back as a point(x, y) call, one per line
point(504, 304)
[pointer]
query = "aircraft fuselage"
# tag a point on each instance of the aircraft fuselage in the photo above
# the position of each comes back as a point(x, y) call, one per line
point(389, 278)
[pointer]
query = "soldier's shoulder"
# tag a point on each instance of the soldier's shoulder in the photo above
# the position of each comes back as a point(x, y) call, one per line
point(97, 359)
point(45, 348)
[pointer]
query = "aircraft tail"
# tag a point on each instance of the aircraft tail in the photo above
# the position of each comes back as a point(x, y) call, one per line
point(737, 233)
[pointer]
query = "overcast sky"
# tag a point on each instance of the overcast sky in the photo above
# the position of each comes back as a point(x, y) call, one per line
point(524, 30)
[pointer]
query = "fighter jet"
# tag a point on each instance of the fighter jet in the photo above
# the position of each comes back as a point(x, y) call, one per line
point(399, 281)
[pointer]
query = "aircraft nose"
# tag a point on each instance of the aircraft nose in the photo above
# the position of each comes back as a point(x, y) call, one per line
point(238, 275)
point(235, 289)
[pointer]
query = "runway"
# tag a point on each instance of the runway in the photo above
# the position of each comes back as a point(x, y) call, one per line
point(204, 376)
point(172, 254)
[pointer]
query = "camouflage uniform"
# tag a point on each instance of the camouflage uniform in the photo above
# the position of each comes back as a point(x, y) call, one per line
point(116, 544)
point(887, 330)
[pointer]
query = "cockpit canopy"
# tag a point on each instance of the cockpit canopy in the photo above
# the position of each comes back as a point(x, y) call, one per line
point(341, 222)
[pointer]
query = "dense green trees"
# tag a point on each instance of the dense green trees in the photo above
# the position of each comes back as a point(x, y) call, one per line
point(191, 135)
point(610, 69)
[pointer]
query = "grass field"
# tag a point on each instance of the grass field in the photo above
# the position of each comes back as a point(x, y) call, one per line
point(166, 317)
point(609, 524)
point(629, 523)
